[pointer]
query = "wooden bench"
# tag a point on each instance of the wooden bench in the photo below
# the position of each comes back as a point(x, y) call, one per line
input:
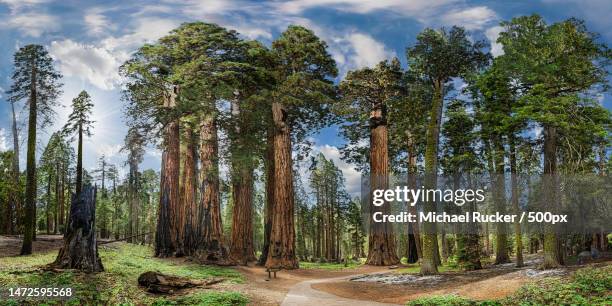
point(270, 270)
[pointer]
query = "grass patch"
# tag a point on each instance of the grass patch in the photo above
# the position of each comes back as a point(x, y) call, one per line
point(329, 266)
point(441, 300)
point(205, 299)
point(415, 269)
point(118, 283)
point(588, 286)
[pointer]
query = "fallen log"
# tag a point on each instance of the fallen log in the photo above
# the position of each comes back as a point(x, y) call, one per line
point(156, 282)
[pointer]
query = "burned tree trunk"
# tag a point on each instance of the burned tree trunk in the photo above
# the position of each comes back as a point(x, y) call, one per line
point(381, 244)
point(282, 236)
point(166, 234)
point(80, 250)
point(211, 248)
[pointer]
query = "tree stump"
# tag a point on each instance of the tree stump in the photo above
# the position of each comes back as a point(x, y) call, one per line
point(80, 250)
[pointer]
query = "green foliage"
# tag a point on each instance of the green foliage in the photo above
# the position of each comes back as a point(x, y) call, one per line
point(329, 266)
point(441, 300)
point(303, 71)
point(117, 284)
point(552, 64)
point(365, 97)
point(35, 58)
point(588, 286)
point(204, 299)
point(78, 120)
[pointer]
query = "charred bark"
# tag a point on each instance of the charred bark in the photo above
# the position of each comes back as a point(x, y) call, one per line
point(80, 250)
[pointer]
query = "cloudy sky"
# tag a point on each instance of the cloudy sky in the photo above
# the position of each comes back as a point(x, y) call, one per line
point(90, 39)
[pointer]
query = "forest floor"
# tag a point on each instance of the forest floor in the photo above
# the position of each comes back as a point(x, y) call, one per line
point(318, 284)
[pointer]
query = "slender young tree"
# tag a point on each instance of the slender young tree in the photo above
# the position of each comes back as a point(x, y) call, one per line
point(440, 56)
point(35, 79)
point(460, 163)
point(80, 124)
point(134, 145)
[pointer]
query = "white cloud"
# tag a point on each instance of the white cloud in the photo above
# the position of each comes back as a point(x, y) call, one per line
point(32, 23)
point(18, 4)
point(97, 23)
point(367, 51)
point(352, 176)
point(402, 7)
point(146, 29)
point(3, 141)
point(473, 18)
point(99, 63)
point(94, 64)
point(109, 150)
point(492, 34)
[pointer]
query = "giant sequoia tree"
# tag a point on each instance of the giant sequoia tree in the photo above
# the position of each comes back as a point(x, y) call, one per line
point(36, 80)
point(552, 64)
point(440, 56)
point(366, 93)
point(302, 90)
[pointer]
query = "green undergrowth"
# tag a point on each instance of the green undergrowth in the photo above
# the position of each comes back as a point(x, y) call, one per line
point(587, 286)
point(415, 269)
point(117, 285)
point(329, 266)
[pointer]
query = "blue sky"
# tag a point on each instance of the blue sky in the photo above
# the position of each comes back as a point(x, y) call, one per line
point(90, 39)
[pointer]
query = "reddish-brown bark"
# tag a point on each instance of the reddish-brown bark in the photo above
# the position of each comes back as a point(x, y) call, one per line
point(166, 234)
point(381, 244)
point(211, 248)
point(282, 236)
point(269, 208)
point(188, 192)
point(241, 250)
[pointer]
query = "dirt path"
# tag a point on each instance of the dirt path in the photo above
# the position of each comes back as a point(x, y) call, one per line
point(304, 294)
point(262, 291)
point(11, 245)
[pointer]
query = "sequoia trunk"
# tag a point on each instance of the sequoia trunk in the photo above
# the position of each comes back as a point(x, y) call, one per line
point(166, 233)
point(211, 248)
point(190, 235)
point(381, 242)
point(269, 208)
point(282, 236)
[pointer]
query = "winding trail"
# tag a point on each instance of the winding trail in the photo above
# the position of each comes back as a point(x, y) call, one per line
point(303, 294)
